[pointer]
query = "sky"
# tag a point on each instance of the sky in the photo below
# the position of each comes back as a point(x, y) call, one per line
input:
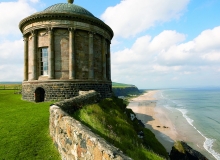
point(156, 44)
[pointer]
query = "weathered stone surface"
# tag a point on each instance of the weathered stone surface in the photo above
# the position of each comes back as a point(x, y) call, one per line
point(76, 141)
point(72, 104)
point(60, 90)
point(77, 56)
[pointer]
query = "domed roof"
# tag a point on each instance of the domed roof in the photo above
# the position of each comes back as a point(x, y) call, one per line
point(64, 11)
point(67, 8)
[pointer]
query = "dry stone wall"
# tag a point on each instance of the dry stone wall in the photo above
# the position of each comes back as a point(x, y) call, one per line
point(74, 140)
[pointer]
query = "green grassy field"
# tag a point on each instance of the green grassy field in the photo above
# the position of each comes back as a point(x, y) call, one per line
point(111, 120)
point(24, 131)
point(9, 86)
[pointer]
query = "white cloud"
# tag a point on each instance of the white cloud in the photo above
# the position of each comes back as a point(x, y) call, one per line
point(11, 52)
point(145, 49)
point(208, 40)
point(11, 60)
point(130, 17)
point(212, 56)
point(12, 13)
point(11, 49)
point(169, 56)
point(11, 72)
point(34, 1)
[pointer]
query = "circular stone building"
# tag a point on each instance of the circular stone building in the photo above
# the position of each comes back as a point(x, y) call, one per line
point(66, 49)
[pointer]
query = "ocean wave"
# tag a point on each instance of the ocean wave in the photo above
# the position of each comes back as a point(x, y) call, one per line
point(208, 144)
point(184, 111)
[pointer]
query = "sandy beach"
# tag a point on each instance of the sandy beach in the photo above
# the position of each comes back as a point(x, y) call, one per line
point(154, 118)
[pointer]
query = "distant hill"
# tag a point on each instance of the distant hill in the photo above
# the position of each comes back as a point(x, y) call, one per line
point(121, 85)
point(121, 89)
point(10, 82)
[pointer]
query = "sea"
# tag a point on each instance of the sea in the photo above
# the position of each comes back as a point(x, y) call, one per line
point(195, 113)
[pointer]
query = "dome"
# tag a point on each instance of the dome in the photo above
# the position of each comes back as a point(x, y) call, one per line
point(64, 11)
point(67, 8)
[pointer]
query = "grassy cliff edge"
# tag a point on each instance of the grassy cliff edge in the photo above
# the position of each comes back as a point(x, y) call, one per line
point(112, 120)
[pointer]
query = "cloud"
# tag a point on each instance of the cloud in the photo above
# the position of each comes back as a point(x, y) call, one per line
point(11, 49)
point(208, 40)
point(11, 52)
point(11, 72)
point(11, 60)
point(168, 55)
point(12, 13)
point(34, 1)
point(147, 49)
point(131, 17)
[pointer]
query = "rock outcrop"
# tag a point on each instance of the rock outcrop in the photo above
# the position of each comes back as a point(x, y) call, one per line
point(182, 151)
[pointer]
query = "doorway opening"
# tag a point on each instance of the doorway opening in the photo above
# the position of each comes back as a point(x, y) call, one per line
point(39, 94)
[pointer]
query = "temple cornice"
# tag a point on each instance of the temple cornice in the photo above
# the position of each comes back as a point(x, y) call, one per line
point(39, 17)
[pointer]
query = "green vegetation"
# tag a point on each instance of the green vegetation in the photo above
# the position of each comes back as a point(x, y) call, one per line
point(24, 131)
point(111, 120)
point(8, 86)
point(121, 85)
point(178, 146)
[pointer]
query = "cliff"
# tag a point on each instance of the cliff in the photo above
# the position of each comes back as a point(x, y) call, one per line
point(120, 89)
point(182, 151)
point(83, 127)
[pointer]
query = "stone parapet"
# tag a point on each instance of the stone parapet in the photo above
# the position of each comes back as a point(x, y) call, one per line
point(85, 97)
point(74, 140)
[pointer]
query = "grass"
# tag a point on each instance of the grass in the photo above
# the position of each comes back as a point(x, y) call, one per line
point(9, 86)
point(121, 85)
point(111, 120)
point(24, 129)
point(179, 147)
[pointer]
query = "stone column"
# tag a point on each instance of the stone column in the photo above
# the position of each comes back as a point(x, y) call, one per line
point(108, 62)
point(91, 57)
point(104, 49)
point(34, 56)
point(51, 54)
point(25, 58)
point(71, 54)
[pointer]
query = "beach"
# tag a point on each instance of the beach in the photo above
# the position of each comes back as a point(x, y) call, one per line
point(189, 115)
point(154, 118)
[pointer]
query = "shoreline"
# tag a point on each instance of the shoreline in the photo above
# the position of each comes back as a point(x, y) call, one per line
point(170, 125)
point(154, 118)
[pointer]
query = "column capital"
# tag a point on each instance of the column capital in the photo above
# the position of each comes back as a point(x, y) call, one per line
point(25, 38)
point(33, 32)
point(91, 33)
point(50, 29)
point(71, 28)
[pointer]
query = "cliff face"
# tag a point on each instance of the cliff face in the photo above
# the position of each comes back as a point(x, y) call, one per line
point(182, 151)
point(124, 91)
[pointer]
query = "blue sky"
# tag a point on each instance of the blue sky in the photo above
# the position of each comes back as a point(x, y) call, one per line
point(157, 44)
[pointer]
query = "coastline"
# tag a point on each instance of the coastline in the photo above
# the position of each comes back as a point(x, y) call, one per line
point(170, 125)
point(154, 118)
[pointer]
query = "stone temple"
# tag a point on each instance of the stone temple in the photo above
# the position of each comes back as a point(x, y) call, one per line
point(66, 49)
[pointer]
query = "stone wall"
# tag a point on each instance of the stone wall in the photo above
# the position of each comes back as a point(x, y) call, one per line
point(60, 90)
point(74, 140)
